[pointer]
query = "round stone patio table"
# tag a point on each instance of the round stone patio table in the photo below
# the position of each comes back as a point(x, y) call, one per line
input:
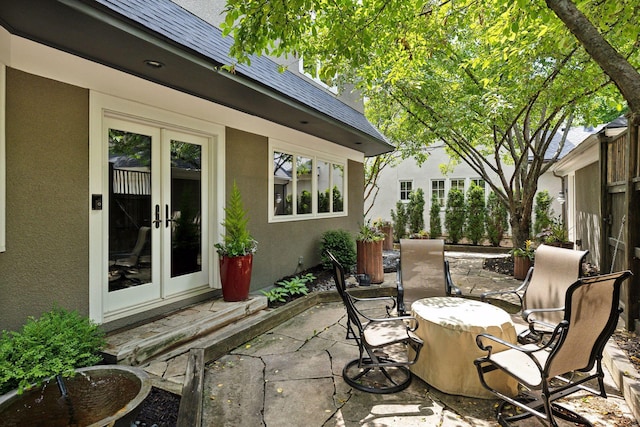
point(449, 327)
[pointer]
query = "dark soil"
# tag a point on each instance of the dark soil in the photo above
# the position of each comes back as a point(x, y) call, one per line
point(502, 265)
point(629, 343)
point(159, 409)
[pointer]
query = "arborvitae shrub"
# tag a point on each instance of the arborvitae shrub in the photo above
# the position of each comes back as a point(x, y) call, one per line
point(543, 211)
point(475, 214)
point(400, 219)
point(416, 211)
point(496, 220)
point(435, 223)
point(454, 215)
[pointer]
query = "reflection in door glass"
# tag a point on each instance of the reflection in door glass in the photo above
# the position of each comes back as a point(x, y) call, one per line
point(186, 191)
point(129, 209)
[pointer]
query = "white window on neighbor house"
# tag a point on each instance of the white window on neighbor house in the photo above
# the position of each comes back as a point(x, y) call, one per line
point(479, 182)
point(406, 187)
point(437, 189)
point(305, 184)
point(457, 184)
point(3, 245)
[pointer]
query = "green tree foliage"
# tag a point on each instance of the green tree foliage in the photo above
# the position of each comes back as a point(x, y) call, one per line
point(543, 211)
point(455, 215)
point(476, 212)
point(496, 220)
point(416, 211)
point(435, 223)
point(494, 80)
point(400, 219)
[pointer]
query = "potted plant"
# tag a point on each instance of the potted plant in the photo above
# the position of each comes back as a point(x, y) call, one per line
point(387, 229)
point(522, 260)
point(236, 251)
point(369, 252)
point(556, 235)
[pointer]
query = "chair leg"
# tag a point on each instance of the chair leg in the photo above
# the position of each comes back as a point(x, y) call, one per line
point(365, 375)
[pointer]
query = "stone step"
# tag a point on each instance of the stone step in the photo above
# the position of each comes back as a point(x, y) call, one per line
point(136, 346)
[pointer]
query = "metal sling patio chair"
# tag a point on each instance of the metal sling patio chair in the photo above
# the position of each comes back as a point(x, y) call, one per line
point(564, 363)
point(382, 364)
point(422, 272)
point(542, 293)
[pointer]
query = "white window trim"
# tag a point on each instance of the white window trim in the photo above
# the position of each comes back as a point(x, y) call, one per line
point(400, 181)
point(315, 156)
point(444, 189)
point(3, 164)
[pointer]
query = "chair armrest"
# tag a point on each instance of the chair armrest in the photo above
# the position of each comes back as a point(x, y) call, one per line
point(557, 330)
point(410, 322)
point(516, 291)
point(388, 307)
point(452, 289)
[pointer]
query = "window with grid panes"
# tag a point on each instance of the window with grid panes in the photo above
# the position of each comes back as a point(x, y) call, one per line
point(405, 190)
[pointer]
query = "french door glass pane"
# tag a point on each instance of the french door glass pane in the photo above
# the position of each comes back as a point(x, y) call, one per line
point(129, 209)
point(186, 208)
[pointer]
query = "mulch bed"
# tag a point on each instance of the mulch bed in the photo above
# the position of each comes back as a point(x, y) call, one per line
point(159, 409)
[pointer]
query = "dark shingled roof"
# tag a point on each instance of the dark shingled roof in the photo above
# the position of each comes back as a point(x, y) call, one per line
point(182, 27)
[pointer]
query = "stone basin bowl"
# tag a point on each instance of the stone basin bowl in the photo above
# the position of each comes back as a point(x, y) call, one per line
point(97, 396)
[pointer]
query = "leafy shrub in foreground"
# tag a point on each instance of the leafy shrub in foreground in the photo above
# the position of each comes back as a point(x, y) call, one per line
point(342, 245)
point(56, 343)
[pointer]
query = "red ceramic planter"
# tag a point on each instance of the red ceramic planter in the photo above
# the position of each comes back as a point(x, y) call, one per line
point(235, 275)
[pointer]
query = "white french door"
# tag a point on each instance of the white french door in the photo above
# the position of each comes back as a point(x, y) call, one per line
point(156, 210)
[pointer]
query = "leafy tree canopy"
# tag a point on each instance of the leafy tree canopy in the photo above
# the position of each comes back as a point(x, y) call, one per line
point(494, 80)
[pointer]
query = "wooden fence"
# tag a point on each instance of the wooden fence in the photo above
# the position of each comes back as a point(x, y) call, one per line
point(620, 213)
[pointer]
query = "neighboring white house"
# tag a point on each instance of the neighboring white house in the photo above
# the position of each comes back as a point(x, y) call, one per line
point(396, 183)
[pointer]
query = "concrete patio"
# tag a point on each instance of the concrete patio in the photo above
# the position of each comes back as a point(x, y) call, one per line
point(250, 366)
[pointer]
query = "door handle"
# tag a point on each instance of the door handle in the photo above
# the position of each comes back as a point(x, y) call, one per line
point(157, 221)
point(167, 216)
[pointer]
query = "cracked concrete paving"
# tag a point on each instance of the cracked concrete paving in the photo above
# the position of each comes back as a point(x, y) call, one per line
point(291, 376)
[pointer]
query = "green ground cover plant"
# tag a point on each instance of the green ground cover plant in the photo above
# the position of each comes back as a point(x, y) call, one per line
point(56, 343)
point(289, 288)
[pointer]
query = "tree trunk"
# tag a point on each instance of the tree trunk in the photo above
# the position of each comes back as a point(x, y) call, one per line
point(623, 74)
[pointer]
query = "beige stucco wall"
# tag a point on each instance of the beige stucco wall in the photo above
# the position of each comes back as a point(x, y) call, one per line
point(588, 218)
point(47, 157)
point(46, 261)
point(280, 244)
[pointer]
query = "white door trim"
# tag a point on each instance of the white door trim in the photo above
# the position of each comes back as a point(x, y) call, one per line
point(101, 105)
